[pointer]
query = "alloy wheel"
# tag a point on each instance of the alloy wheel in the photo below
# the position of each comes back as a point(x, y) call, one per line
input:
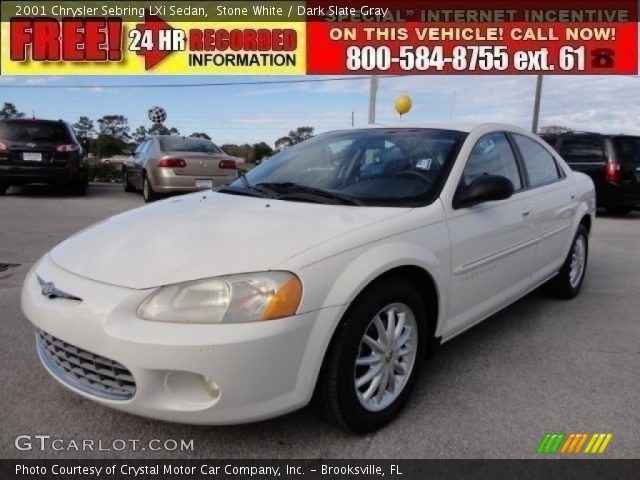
point(386, 357)
point(578, 261)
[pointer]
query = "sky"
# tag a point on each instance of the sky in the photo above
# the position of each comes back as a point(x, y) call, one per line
point(265, 112)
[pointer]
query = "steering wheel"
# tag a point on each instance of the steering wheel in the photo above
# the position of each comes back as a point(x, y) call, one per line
point(412, 174)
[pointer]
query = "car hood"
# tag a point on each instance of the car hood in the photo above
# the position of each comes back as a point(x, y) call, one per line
point(205, 235)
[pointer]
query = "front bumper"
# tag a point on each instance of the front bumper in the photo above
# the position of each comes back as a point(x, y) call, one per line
point(261, 369)
point(164, 180)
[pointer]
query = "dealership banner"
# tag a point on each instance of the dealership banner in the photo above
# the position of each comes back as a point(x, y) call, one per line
point(385, 37)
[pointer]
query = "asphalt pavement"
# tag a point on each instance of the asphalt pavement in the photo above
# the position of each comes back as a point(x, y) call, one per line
point(542, 365)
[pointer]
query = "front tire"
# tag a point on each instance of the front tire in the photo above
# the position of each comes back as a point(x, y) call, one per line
point(567, 283)
point(374, 358)
point(125, 180)
point(3, 188)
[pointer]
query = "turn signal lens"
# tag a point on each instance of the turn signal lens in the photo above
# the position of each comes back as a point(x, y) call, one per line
point(285, 302)
point(3, 146)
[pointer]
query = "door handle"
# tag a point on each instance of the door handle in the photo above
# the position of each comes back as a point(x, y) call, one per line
point(526, 211)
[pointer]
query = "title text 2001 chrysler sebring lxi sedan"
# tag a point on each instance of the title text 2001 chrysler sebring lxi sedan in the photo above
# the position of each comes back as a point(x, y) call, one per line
point(333, 268)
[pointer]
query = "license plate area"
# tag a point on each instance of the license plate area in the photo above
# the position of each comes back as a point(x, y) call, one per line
point(32, 156)
point(204, 183)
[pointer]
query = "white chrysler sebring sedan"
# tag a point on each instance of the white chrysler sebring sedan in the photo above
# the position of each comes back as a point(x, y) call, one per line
point(331, 270)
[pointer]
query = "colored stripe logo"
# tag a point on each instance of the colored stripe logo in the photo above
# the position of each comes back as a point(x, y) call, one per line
point(569, 443)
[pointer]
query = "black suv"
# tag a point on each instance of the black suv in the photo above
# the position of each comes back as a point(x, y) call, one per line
point(612, 161)
point(41, 151)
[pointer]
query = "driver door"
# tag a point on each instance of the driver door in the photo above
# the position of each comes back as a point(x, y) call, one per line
point(493, 244)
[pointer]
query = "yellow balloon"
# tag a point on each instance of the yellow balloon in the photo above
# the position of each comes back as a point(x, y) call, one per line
point(403, 104)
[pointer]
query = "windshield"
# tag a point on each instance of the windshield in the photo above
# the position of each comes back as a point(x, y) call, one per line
point(30, 130)
point(179, 144)
point(400, 167)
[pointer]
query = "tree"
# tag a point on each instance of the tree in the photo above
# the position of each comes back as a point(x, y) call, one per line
point(160, 129)
point(85, 131)
point(554, 129)
point(261, 150)
point(139, 135)
point(298, 135)
point(116, 126)
point(200, 135)
point(9, 110)
point(107, 146)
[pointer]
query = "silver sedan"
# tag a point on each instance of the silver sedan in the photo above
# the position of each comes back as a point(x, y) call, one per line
point(167, 164)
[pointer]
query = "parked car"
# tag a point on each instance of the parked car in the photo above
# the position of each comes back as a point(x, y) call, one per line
point(312, 273)
point(612, 162)
point(41, 151)
point(165, 164)
point(115, 160)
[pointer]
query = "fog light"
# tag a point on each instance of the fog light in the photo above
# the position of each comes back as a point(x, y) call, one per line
point(211, 387)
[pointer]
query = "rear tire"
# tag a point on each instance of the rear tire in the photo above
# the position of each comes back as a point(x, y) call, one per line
point(125, 180)
point(148, 193)
point(618, 210)
point(3, 188)
point(345, 393)
point(80, 189)
point(567, 283)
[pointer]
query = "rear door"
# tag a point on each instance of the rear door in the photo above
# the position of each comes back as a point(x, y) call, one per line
point(555, 197)
point(34, 143)
point(135, 166)
point(627, 152)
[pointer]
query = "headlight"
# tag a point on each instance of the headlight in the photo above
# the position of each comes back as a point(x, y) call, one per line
point(233, 299)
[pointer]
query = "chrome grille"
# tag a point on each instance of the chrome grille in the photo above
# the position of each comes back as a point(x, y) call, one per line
point(84, 370)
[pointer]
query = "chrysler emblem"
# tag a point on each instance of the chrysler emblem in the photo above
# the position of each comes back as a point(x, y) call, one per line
point(48, 289)
point(31, 145)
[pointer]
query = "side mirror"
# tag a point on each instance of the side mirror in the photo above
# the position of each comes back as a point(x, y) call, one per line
point(485, 188)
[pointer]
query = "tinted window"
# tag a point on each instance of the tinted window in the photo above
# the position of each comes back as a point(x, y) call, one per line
point(180, 144)
point(582, 150)
point(627, 150)
point(492, 155)
point(33, 131)
point(378, 166)
point(540, 164)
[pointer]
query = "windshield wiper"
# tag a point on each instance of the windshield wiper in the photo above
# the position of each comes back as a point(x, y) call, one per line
point(248, 189)
point(318, 192)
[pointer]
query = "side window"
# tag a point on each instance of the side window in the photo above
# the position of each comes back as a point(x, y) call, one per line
point(582, 150)
point(492, 155)
point(146, 146)
point(139, 148)
point(540, 164)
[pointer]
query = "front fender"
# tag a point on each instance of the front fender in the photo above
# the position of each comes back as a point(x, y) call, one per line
point(338, 280)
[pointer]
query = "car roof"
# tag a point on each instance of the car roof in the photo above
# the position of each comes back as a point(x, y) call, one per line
point(593, 134)
point(35, 120)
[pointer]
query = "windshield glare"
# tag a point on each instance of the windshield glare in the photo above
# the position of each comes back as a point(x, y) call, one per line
point(378, 166)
